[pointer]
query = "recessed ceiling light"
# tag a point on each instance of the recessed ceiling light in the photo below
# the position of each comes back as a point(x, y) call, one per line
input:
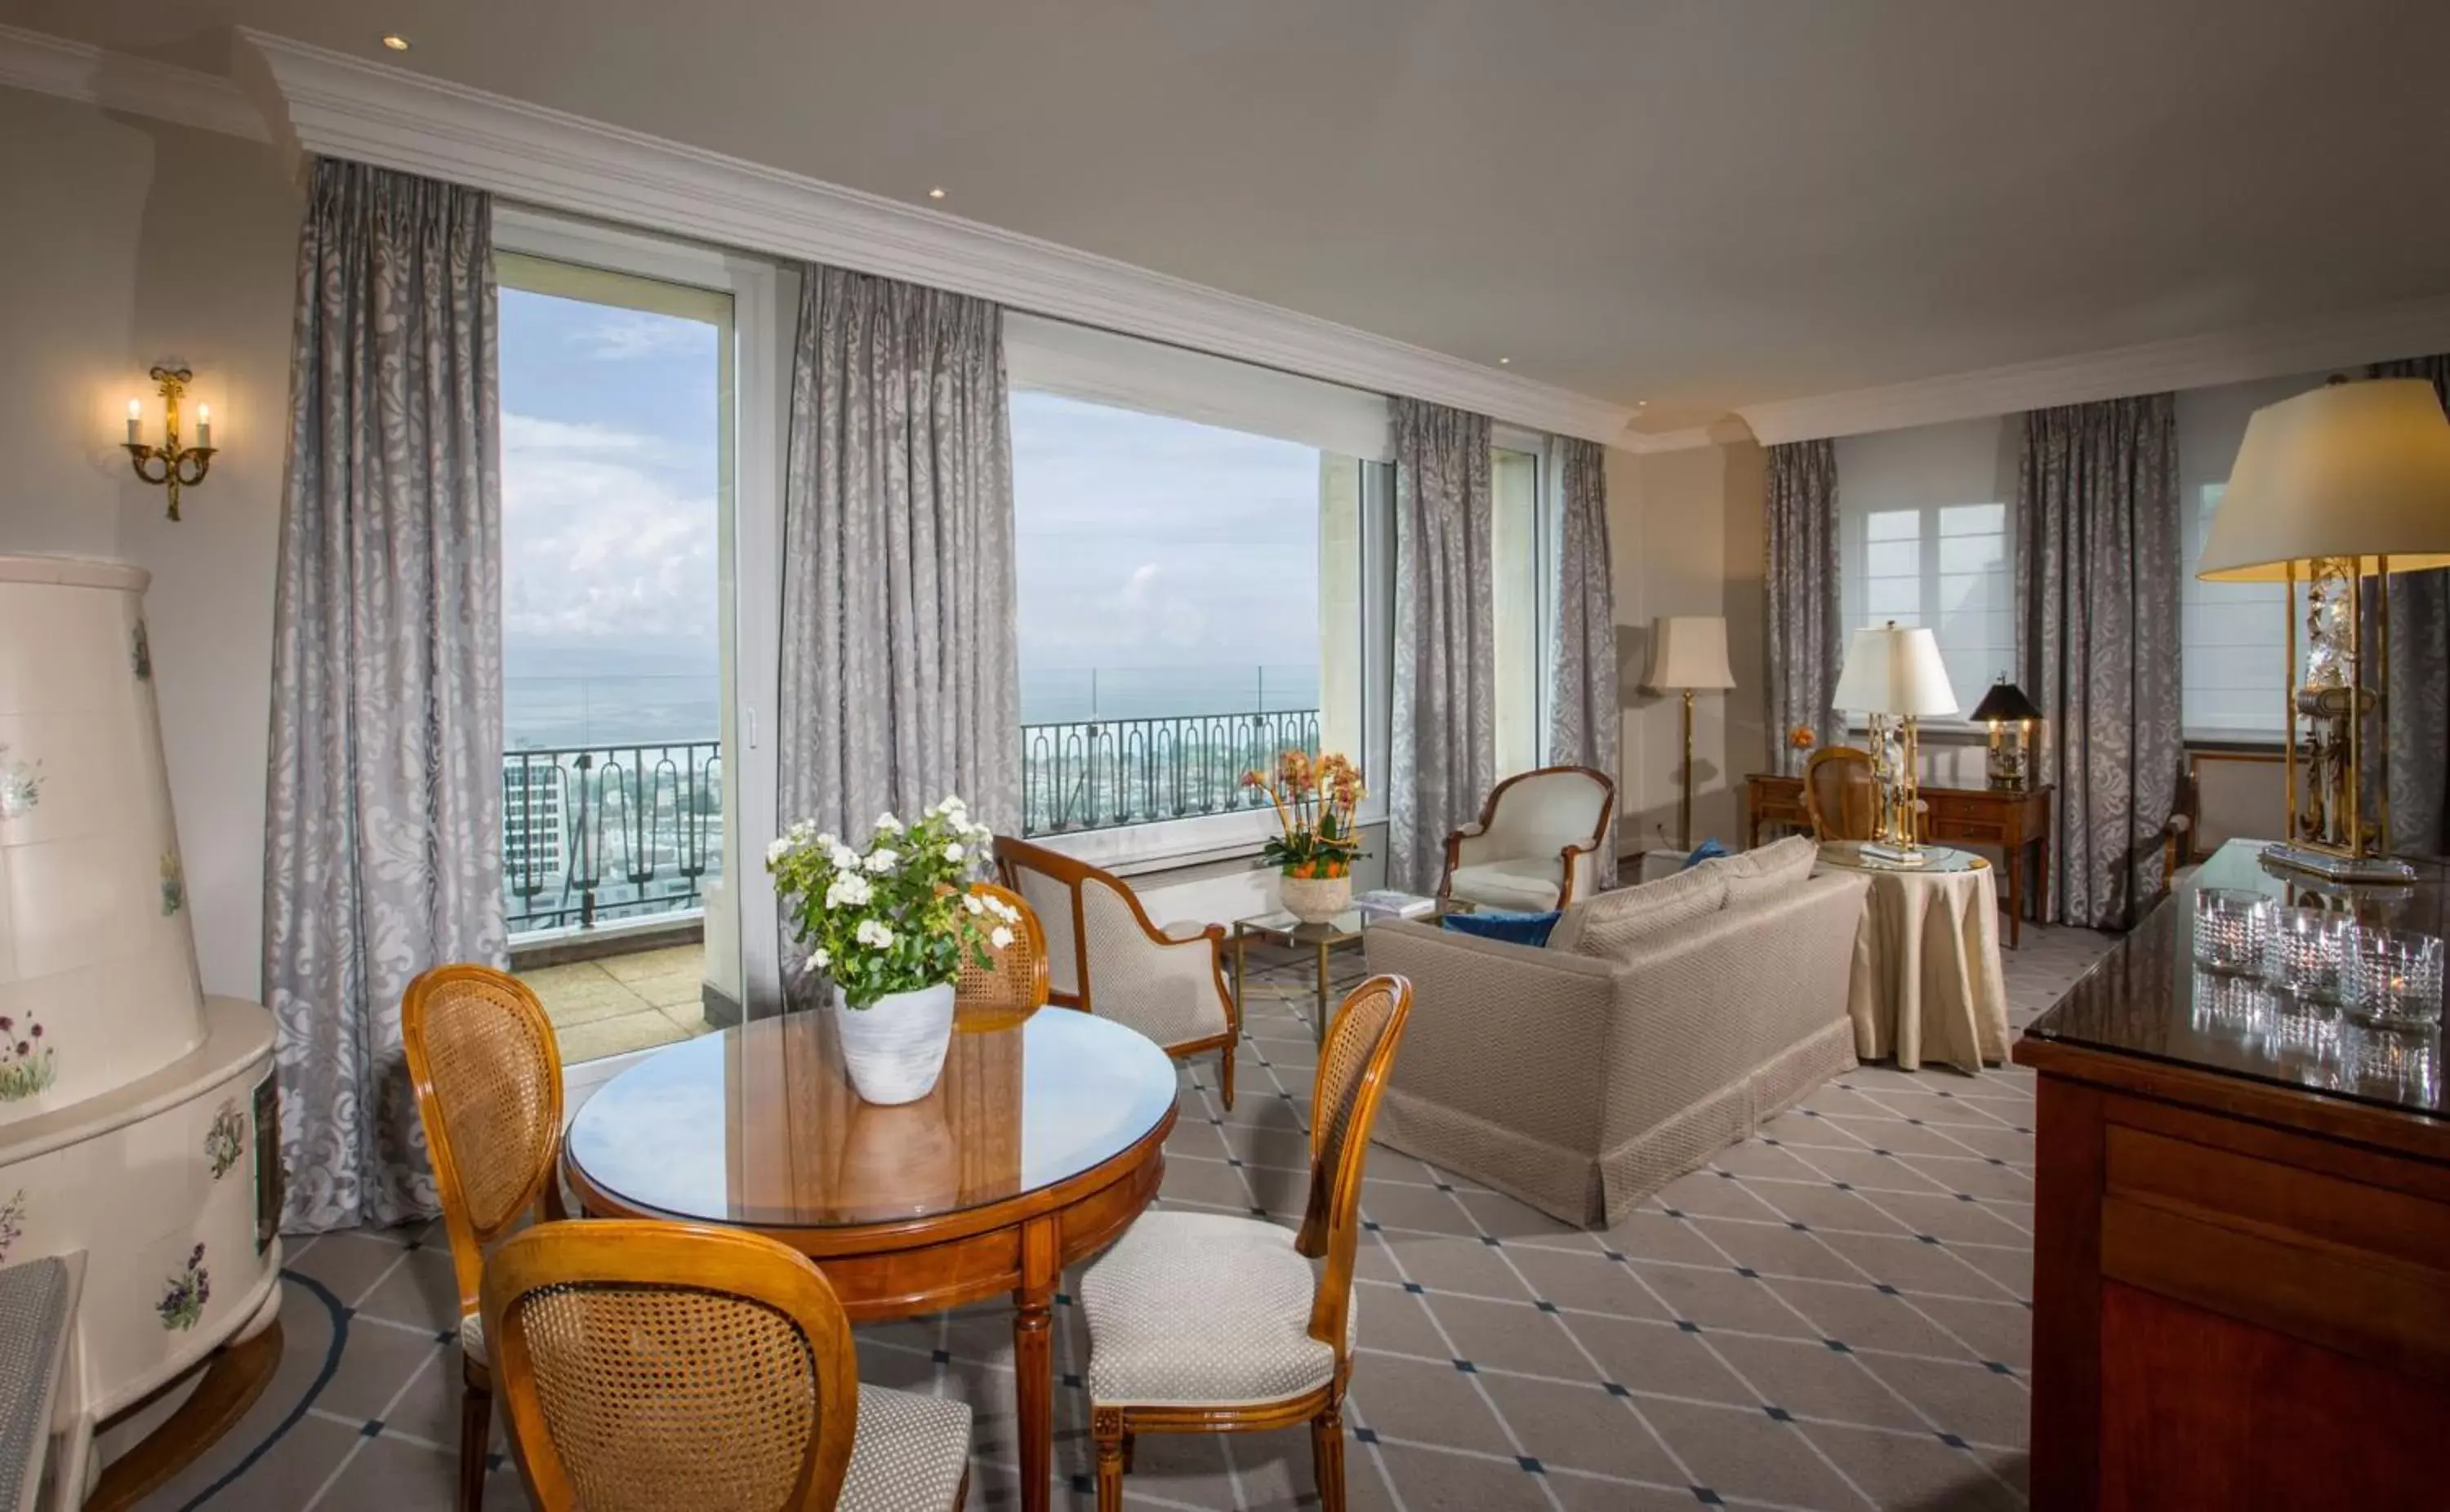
point(936, 193)
point(395, 41)
point(1505, 362)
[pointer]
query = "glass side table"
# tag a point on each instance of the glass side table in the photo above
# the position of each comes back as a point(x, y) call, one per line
point(1323, 939)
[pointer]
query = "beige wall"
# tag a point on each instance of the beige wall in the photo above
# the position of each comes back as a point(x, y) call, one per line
point(131, 240)
point(1684, 530)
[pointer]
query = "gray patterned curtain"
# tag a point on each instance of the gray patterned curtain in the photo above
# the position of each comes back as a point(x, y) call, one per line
point(900, 671)
point(1445, 742)
point(2097, 574)
point(2419, 693)
point(1584, 718)
point(382, 846)
point(1806, 644)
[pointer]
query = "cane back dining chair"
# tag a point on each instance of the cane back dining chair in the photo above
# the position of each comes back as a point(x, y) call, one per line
point(1105, 956)
point(1839, 796)
point(486, 1073)
point(1536, 845)
point(1202, 1323)
point(1013, 983)
point(647, 1367)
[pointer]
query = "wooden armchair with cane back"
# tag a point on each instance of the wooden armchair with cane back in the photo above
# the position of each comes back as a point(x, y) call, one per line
point(486, 1072)
point(1206, 1323)
point(1106, 957)
point(653, 1367)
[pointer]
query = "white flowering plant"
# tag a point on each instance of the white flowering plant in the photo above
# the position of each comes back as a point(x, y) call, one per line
point(897, 915)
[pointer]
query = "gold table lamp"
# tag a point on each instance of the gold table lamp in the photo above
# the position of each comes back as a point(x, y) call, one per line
point(1895, 674)
point(1688, 654)
point(2347, 483)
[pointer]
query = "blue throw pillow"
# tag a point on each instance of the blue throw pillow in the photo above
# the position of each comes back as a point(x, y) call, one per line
point(1708, 851)
point(1515, 929)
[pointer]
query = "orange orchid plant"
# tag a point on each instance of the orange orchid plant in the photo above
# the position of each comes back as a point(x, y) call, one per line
point(1315, 798)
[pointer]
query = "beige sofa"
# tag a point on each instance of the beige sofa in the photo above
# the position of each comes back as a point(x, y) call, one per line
point(1660, 1024)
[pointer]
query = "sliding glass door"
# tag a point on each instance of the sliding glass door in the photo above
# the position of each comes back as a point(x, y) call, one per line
point(638, 473)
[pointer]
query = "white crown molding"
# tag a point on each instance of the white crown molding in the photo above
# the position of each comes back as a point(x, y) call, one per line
point(333, 105)
point(2412, 329)
point(73, 70)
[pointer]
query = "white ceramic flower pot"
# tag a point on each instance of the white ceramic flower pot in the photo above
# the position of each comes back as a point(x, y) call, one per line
point(895, 1050)
point(1316, 900)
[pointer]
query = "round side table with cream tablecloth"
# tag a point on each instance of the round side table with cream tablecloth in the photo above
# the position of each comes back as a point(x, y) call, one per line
point(1927, 981)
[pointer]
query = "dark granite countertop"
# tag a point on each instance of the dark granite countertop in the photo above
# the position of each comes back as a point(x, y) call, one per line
point(2146, 998)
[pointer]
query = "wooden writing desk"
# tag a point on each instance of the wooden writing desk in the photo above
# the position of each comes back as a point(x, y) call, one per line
point(1959, 816)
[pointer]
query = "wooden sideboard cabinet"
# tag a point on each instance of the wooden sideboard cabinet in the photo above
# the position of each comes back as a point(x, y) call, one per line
point(2017, 823)
point(2241, 1236)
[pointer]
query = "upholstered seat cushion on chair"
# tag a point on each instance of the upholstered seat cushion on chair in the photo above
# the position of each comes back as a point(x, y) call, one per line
point(910, 1454)
point(1203, 1310)
point(1529, 884)
point(472, 1338)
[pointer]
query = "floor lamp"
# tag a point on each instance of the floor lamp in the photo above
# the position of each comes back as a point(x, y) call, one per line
point(1688, 655)
point(2333, 490)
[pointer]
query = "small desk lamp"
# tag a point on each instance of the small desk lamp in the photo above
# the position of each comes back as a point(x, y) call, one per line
point(2010, 716)
point(2347, 482)
point(1688, 654)
point(1895, 674)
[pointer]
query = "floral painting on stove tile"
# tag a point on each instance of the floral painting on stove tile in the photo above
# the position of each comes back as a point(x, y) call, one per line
point(21, 785)
point(184, 1296)
point(26, 1066)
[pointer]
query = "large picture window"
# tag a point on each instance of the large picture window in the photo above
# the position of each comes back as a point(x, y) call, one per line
point(1192, 601)
point(1941, 566)
point(2234, 640)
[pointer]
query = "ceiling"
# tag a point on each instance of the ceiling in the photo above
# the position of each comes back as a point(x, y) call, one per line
point(1692, 204)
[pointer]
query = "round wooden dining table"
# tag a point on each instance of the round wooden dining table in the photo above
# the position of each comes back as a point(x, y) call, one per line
point(1043, 1139)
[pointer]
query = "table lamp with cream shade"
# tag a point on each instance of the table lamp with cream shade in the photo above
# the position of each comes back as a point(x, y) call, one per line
point(1894, 674)
point(2345, 483)
point(1688, 654)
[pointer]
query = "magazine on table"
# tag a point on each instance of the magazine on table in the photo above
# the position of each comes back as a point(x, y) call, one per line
point(1387, 902)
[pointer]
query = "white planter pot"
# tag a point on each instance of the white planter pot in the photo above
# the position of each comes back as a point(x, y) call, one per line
point(1316, 900)
point(895, 1050)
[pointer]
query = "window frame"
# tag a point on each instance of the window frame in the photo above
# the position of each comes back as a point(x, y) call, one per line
point(1191, 840)
point(1854, 576)
point(751, 520)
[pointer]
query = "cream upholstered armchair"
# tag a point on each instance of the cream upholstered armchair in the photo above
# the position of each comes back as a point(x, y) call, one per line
point(1103, 955)
point(1537, 844)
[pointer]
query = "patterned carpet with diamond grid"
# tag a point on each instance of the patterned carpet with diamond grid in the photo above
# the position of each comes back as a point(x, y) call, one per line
point(1831, 1315)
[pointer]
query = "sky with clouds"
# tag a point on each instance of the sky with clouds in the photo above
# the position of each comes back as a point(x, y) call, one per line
point(1157, 550)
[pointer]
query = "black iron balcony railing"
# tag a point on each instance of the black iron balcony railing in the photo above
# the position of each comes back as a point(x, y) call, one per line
point(1105, 773)
point(591, 834)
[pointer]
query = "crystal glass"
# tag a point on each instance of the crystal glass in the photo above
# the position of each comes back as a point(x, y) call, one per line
point(2305, 1031)
point(2395, 977)
point(2307, 953)
point(2240, 1006)
point(2232, 929)
point(2402, 1062)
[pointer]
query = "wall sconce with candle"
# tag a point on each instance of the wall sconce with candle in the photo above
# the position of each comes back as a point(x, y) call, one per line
point(170, 465)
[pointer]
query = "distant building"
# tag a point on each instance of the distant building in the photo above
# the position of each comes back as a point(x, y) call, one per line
point(532, 821)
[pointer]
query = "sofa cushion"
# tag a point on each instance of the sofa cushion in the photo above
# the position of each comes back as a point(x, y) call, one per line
point(1524, 884)
point(1520, 929)
point(1771, 870)
point(1613, 922)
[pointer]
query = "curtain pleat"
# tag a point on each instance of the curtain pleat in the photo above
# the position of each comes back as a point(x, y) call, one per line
point(1806, 644)
point(382, 846)
point(1584, 718)
point(1445, 740)
point(900, 665)
point(2097, 565)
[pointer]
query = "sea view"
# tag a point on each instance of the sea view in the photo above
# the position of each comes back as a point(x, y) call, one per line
point(568, 697)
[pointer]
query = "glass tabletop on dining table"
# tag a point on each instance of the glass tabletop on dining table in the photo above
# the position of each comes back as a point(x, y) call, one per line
point(759, 1125)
